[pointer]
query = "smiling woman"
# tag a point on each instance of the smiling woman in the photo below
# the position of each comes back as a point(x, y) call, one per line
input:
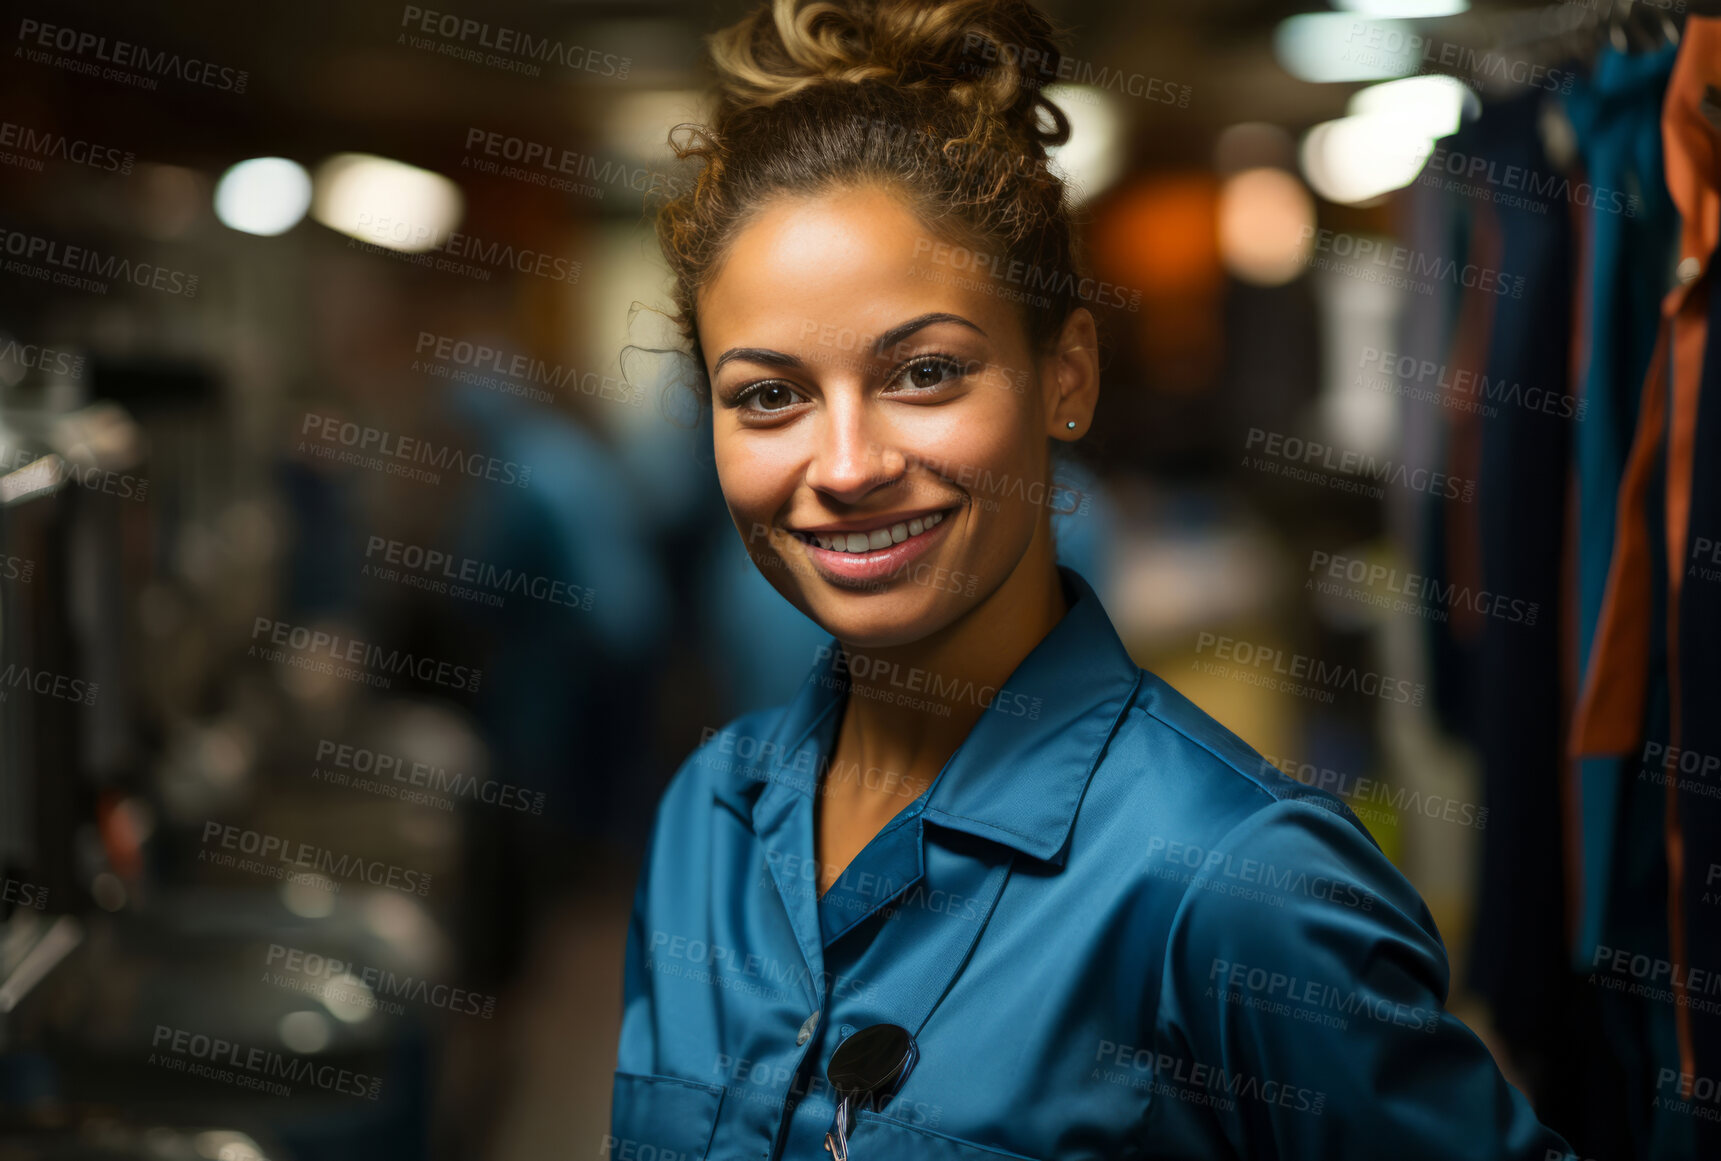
point(809, 448)
point(1073, 916)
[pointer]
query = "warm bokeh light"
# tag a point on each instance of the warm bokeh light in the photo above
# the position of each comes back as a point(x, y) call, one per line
point(1427, 106)
point(1356, 159)
point(388, 203)
point(1386, 138)
point(1266, 218)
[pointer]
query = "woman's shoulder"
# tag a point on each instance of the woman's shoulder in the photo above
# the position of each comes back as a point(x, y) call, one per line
point(1188, 800)
point(1166, 744)
point(1233, 834)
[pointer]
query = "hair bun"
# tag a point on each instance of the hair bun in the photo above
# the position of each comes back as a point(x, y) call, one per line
point(988, 56)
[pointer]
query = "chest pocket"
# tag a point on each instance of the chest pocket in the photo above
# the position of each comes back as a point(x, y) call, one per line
point(661, 1118)
point(877, 1136)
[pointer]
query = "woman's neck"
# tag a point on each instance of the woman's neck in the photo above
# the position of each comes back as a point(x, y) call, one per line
point(910, 706)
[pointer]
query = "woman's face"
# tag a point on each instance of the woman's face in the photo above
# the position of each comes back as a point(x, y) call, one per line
point(880, 418)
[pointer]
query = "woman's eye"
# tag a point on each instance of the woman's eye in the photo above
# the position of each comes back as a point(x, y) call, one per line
point(771, 397)
point(924, 374)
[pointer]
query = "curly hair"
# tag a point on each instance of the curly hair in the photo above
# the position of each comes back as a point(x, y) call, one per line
point(939, 101)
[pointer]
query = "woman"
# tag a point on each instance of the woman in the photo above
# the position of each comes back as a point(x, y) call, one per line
point(1111, 928)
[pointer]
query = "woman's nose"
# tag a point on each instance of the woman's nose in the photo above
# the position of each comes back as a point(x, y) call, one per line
point(852, 454)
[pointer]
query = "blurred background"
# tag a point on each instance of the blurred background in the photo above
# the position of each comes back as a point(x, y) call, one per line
point(364, 575)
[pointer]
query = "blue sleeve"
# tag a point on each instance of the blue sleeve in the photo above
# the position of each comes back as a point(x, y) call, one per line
point(636, 1049)
point(1303, 999)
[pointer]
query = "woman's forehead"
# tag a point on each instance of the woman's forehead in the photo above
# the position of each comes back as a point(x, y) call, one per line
point(855, 261)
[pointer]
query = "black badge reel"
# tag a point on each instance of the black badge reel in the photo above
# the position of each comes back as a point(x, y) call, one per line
point(865, 1071)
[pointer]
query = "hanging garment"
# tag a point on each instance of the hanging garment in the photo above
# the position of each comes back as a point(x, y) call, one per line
point(1659, 617)
point(1616, 114)
point(1520, 416)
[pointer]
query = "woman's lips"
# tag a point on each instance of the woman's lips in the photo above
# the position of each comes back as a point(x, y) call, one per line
point(878, 563)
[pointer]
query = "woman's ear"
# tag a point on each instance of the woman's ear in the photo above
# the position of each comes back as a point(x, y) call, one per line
point(1071, 372)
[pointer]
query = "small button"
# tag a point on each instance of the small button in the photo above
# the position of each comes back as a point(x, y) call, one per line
point(806, 1032)
point(1689, 269)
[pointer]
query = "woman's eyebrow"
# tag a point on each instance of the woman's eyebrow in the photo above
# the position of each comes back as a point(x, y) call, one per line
point(885, 341)
point(901, 331)
point(755, 355)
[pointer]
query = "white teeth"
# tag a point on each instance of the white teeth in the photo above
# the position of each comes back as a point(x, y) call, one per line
point(877, 538)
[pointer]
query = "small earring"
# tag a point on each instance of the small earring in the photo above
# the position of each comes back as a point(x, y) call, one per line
point(1071, 425)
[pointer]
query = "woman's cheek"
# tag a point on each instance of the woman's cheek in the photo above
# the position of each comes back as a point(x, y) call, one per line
point(752, 480)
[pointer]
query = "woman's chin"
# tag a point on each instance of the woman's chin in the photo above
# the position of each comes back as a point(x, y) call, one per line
point(880, 620)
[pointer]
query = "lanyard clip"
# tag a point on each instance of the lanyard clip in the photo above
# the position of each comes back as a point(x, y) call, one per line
point(837, 1140)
